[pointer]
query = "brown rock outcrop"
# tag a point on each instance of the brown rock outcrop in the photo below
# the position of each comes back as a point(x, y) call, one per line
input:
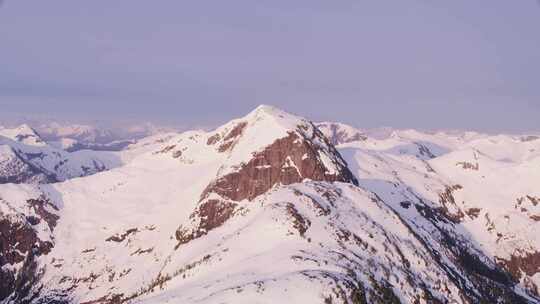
point(229, 139)
point(288, 160)
point(528, 263)
point(523, 266)
point(19, 242)
point(212, 214)
point(449, 207)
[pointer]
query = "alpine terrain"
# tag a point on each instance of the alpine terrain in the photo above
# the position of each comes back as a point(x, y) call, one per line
point(272, 208)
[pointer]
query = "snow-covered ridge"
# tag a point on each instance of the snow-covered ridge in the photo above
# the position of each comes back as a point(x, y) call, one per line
point(339, 133)
point(199, 217)
point(26, 158)
point(261, 128)
point(90, 134)
point(23, 134)
point(100, 136)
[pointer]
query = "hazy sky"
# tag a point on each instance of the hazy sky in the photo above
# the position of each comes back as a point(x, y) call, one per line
point(469, 64)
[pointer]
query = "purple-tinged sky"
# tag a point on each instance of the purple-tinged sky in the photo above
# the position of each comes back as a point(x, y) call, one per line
point(417, 63)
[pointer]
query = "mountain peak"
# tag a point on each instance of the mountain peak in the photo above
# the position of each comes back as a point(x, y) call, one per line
point(274, 116)
point(265, 108)
point(270, 146)
point(23, 134)
point(244, 137)
point(257, 129)
point(266, 148)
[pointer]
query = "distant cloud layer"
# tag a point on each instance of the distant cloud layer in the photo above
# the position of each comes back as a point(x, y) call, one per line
point(457, 64)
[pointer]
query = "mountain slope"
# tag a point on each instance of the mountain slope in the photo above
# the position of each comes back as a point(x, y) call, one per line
point(26, 158)
point(265, 209)
point(485, 186)
point(339, 133)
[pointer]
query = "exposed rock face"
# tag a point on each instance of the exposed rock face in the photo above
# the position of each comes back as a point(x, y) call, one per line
point(210, 214)
point(288, 160)
point(229, 140)
point(533, 201)
point(492, 281)
point(450, 207)
point(18, 239)
point(18, 236)
point(20, 244)
point(123, 236)
point(424, 151)
point(298, 156)
point(300, 223)
point(519, 264)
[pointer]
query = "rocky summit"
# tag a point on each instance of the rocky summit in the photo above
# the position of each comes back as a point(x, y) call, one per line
point(272, 208)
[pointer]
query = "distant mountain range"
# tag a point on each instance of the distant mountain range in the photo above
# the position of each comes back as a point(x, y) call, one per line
point(268, 208)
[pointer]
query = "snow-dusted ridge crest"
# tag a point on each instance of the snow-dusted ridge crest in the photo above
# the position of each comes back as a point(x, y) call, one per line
point(26, 158)
point(266, 209)
point(244, 137)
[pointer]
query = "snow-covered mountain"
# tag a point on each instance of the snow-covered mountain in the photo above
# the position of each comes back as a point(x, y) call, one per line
point(84, 133)
point(26, 158)
point(339, 133)
point(23, 134)
point(76, 137)
point(267, 209)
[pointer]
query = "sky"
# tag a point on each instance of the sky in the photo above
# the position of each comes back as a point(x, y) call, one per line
point(423, 64)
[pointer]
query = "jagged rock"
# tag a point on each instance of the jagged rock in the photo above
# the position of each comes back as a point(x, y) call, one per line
point(527, 263)
point(20, 243)
point(211, 214)
point(288, 160)
point(300, 155)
